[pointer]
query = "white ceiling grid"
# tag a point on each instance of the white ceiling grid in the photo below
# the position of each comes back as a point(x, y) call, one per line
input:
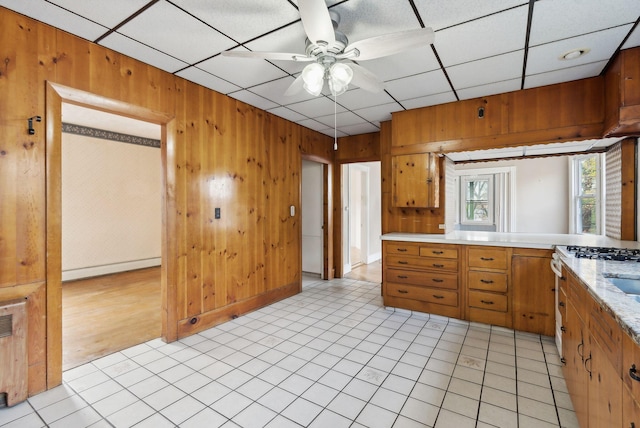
point(481, 47)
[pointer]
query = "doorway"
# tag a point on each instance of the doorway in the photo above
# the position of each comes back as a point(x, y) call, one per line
point(312, 218)
point(361, 221)
point(111, 227)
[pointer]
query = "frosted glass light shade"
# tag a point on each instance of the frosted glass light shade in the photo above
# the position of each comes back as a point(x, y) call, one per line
point(313, 77)
point(340, 76)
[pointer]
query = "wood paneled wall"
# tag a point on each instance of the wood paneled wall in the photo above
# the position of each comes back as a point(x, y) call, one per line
point(223, 153)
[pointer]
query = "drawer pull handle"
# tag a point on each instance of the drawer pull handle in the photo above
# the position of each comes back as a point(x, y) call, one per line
point(486, 281)
point(580, 345)
point(403, 276)
point(561, 304)
point(563, 329)
point(437, 280)
point(633, 373)
point(486, 259)
point(402, 250)
point(402, 291)
point(437, 252)
point(402, 262)
point(486, 302)
point(437, 265)
point(563, 360)
point(438, 297)
point(588, 360)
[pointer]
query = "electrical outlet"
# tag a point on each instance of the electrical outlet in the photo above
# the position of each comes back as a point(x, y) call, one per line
point(217, 213)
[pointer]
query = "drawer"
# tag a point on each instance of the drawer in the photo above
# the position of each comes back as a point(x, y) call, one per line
point(607, 333)
point(577, 296)
point(488, 301)
point(488, 281)
point(631, 365)
point(440, 252)
point(422, 263)
point(429, 279)
point(489, 258)
point(407, 249)
point(425, 294)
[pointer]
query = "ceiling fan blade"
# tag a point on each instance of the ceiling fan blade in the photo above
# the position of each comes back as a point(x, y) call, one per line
point(316, 21)
point(365, 79)
point(388, 44)
point(276, 56)
point(295, 87)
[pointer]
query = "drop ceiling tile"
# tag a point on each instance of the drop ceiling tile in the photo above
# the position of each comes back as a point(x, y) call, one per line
point(489, 89)
point(430, 100)
point(377, 114)
point(134, 49)
point(243, 72)
point(361, 19)
point(253, 99)
point(332, 132)
point(189, 40)
point(442, 14)
point(360, 128)
point(56, 16)
point(560, 19)
point(420, 85)
point(288, 114)
point(239, 20)
point(318, 106)
point(493, 35)
point(359, 98)
point(633, 40)
point(344, 118)
point(201, 77)
point(487, 70)
point(109, 13)
point(602, 44)
point(313, 124)
point(564, 75)
point(414, 61)
point(275, 90)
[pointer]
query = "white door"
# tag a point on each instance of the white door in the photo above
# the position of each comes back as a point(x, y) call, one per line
point(312, 191)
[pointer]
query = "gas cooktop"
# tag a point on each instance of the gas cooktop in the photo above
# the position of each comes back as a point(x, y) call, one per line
point(605, 253)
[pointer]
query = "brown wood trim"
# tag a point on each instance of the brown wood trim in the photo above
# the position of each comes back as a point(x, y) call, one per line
point(56, 94)
point(198, 323)
point(628, 184)
point(569, 133)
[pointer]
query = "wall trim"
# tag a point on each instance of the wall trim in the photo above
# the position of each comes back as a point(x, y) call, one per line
point(103, 134)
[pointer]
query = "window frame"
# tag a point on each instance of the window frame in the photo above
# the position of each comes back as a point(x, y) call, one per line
point(575, 219)
point(464, 179)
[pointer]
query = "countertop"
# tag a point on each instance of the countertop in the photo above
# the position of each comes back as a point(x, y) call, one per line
point(520, 240)
point(593, 273)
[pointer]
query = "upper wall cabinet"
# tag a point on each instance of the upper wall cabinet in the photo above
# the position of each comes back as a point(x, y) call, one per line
point(623, 95)
point(416, 181)
point(555, 113)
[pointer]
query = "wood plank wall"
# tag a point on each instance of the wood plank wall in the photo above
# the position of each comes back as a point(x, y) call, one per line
point(226, 154)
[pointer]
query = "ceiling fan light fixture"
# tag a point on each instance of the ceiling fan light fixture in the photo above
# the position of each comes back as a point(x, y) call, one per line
point(313, 77)
point(340, 76)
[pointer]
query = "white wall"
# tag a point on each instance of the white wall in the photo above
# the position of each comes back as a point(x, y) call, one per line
point(542, 192)
point(111, 206)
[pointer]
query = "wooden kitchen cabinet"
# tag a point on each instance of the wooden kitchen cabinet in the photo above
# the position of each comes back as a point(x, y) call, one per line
point(489, 297)
point(533, 291)
point(622, 94)
point(631, 382)
point(415, 181)
point(605, 388)
point(421, 277)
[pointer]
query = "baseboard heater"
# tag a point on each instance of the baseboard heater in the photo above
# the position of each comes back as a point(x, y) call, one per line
point(13, 352)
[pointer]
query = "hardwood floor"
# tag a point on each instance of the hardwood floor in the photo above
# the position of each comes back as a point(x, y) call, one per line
point(370, 273)
point(105, 314)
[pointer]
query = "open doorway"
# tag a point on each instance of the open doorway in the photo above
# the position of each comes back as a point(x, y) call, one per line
point(362, 224)
point(312, 218)
point(111, 233)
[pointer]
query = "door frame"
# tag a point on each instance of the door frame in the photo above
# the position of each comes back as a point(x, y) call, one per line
point(55, 96)
point(364, 213)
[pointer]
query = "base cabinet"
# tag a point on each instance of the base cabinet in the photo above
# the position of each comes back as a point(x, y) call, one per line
point(533, 291)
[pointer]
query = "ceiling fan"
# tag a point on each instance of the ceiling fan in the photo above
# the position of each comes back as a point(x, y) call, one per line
point(331, 55)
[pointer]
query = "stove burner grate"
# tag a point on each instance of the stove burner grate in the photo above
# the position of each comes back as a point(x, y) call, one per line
point(605, 253)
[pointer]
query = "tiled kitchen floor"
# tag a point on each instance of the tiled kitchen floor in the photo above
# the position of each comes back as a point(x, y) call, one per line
point(331, 356)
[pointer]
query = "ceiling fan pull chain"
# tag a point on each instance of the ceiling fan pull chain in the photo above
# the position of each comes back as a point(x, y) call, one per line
point(335, 123)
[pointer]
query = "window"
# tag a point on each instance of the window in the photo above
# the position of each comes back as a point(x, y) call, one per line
point(476, 200)
point(586, 172)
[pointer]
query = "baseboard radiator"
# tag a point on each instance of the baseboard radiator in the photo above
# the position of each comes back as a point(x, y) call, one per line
point(13, 352)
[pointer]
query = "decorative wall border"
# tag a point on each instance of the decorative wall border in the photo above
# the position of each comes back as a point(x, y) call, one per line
point(86, 131)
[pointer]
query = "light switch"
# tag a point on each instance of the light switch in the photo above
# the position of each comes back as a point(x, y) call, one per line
point(217, 213)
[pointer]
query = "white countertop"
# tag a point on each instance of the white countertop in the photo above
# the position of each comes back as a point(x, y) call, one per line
point(520, 240)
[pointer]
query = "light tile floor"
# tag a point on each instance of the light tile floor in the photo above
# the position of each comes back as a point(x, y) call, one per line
point(331, 356)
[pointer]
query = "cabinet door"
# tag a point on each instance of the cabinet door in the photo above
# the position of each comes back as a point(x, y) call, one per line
point(575, 350)
point(416, 181)
point(630, 410)
point(605, 389)
point(533, 295)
